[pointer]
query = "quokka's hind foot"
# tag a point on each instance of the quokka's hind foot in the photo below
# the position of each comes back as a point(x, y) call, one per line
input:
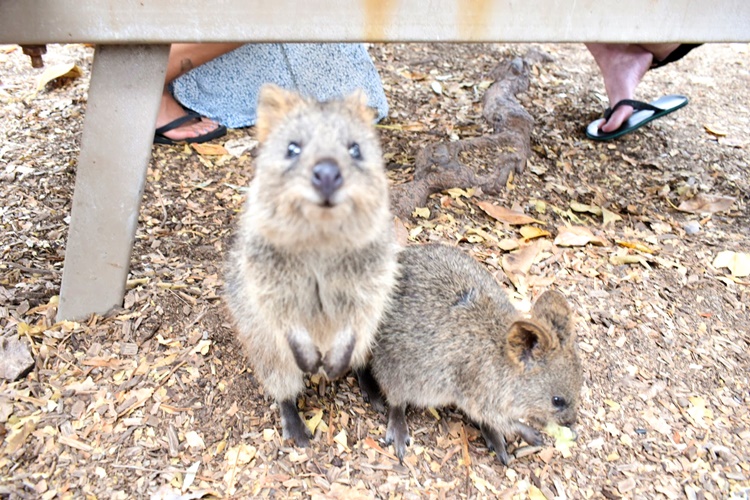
point(370, 389)
point(292, 425)
point(398, 431)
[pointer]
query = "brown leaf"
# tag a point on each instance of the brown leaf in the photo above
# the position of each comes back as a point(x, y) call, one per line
point(577, 236)
point(505, 215)
point(207, 149)
point(707, 204)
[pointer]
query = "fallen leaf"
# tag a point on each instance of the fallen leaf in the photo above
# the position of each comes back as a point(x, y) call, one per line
point(577, 236)
point(69, 70)
point(313, 422)
point(207, 149)
point(236, 147)
point(536, 494)
point(706, 204)
point(341, 439)
point(422, 212)
point(506, 215)
point(713, 130)
point(581, 207)
point(194, 440)
point(402, 233)
point(609, 217)
point(738, 263)
point(635, 246)
point(436, 87)
point(456, 193)
point(531, 232)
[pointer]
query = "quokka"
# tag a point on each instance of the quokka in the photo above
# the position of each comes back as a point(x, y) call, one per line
point(452, 337)
point(314, 261)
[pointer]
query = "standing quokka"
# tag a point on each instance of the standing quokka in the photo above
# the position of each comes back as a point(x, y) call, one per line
point(452, 337)
point(314, 261)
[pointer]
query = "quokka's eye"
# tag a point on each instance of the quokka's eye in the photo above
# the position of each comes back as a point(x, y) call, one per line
point(293, 150)
point(354, 151)
point(559, 402)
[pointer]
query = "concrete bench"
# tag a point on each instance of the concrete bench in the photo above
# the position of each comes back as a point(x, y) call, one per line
point(133, 40)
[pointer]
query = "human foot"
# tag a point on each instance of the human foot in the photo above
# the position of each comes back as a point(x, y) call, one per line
point(173, 124)
point(622, 67)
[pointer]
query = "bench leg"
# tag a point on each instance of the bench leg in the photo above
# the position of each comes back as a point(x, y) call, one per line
point(118, 131)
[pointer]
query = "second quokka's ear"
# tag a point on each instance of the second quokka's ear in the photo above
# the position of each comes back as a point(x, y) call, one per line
point(552, 308)
point(273, 104)
point(357, 102)
point(529, 341)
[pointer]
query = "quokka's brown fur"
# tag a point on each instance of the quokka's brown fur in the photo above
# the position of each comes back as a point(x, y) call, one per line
point(314, 261)
point(452, 337)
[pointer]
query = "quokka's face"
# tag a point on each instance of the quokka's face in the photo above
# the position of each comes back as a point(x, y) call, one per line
point(320, 166)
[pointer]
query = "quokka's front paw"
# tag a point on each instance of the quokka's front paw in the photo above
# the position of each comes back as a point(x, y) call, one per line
point(306, 355)
point(336, 361)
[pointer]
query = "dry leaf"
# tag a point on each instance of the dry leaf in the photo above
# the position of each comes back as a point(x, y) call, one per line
point(635, 246)
point(69, 70)
point(609, 217)
point(707, 204)
point(713, 130)
point(506, 215)
point(738, 263)
point(313, 422)
point(207, 149)
point(531, 232)
point(422, 212)
point(194, 440)
point(581, 207)
point(402, 233)
point(577, 236)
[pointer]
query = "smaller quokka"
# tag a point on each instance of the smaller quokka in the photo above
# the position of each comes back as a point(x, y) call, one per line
point(314, 261)
point(452, 337)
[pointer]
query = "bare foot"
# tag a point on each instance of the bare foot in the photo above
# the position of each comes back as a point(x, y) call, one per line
point(170, 110)
point(622, 67)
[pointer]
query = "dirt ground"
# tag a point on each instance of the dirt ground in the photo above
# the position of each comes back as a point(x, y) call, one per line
point(156, 399)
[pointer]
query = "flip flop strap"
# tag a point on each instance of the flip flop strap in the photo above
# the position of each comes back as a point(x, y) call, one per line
point(189, 115)
point(636, 105)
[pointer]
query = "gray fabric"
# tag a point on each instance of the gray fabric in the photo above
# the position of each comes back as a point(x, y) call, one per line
point(226, 88)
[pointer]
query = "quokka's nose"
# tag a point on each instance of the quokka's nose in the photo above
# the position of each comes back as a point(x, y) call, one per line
point(326, 178)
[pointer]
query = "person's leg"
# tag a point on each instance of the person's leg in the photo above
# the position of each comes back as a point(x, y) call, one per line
point(622, 67)
point(182, 58)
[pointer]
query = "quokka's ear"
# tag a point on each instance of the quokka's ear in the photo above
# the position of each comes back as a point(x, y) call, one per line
point(357, 102)
point(529, 341)
point(552, 308)
point(273, 104)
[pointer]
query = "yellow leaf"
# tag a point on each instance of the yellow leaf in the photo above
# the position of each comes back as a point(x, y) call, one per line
point(506, 215)
point(564, 438)
point(68, 70)
point(618, 260)
point(341, 440)
point(609, 217)
point(635, 246)
point(531, 232)
point(422, 212)
point(535, 493)
point(207, 149)
point(456, 193)
point(738, 263)
point(713, 130)
point(434, 412)
point(581, 207)
point(313, 422)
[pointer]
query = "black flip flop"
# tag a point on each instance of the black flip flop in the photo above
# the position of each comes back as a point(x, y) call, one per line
point(643, 113)
point(160, 138)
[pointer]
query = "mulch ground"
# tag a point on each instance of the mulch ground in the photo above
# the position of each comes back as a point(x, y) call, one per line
point(156, 399)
